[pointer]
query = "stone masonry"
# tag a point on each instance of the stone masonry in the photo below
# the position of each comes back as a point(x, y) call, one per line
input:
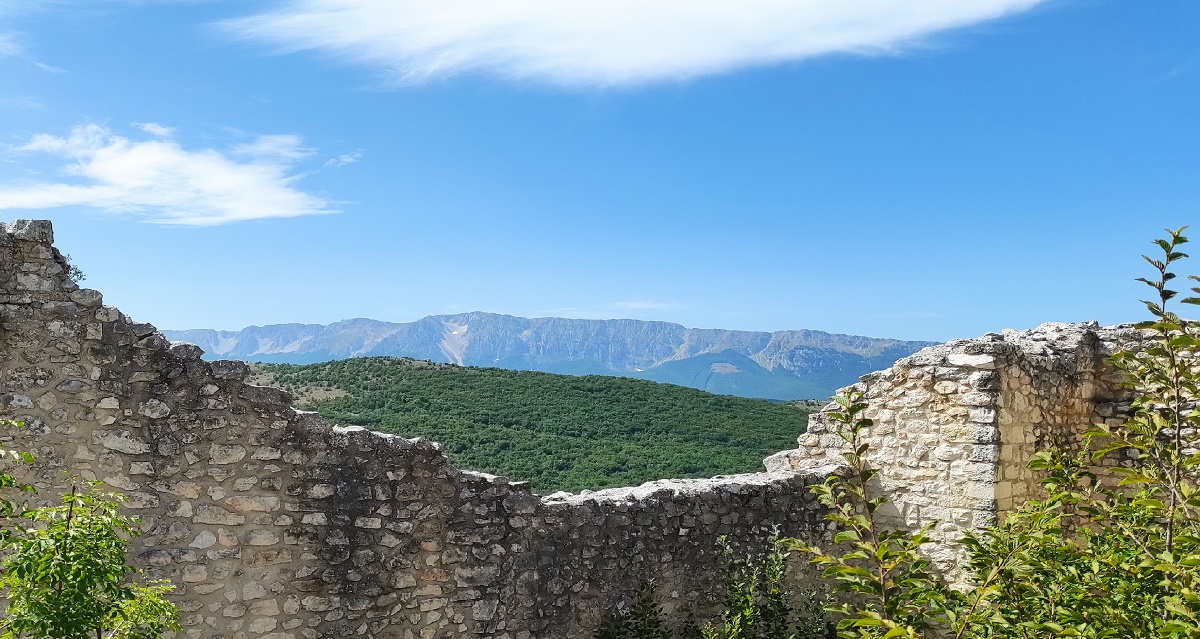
point(956, 425)
point(276, 525)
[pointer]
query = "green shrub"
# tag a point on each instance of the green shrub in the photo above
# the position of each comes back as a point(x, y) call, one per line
point(65, 572)
point(1111, 551)
point(759, 605)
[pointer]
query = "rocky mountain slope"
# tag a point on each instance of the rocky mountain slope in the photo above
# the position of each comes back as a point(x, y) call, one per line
point(780, 365)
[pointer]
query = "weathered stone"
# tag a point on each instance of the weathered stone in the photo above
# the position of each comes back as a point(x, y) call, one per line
point(220, 454)
point(120, 440)
point(261, 538)
point(154, 409)
point(208, 514)
point(320, 491)
point(269, 557)
point(254, 590)
point(986, 362)
point(234, 610)
point(262, 625)
point(242, 503)
point(203, 540)
point(73, 386)
point(16, 401)
point(319, 604)
point(185, 489)
point(368, 522)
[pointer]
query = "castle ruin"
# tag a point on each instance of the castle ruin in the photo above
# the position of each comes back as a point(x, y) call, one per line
point(274, 524)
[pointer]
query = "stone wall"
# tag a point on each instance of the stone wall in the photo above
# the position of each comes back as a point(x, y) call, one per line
point(956, 424)
point(274, 524)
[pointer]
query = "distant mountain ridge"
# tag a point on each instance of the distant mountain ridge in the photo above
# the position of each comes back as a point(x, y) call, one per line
point(782, 365)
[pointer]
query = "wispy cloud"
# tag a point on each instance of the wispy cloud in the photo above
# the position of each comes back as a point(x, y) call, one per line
point(344, 159)
point(22, 102)
point(154, 129)
point(9, 46)
point(163, 182)
point(601, 42)
point(1181, 69)
point(275, 148)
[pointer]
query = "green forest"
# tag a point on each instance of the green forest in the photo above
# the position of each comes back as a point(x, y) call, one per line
point(560, 432)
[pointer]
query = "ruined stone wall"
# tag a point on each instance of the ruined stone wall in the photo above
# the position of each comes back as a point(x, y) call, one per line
point(276, 525)
point(956, 425)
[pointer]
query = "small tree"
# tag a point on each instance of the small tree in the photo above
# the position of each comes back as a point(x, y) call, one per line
point(644, 620)
point(73, 271)
point(761, 605)
point(1114, 548)
point(758, 605)
point(65, 572)
point(886, 586)
point(1111, 551)
point(10, 506)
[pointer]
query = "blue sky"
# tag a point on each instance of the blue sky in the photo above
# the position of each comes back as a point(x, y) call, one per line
point(923, 169)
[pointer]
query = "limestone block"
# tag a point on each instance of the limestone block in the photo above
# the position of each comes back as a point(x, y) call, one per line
point(269, 557)
point(87, 297)
point(320, 491)
point(121, 440)
point(253, 503)
point(986, 362)
point(154, 409)
point(16, 401)
point(121, 481)
point(266, 453)
point(39, 231)
point(222, 454)
point(234, 610)
point(203, 540)
point(184, 489)
point(73, 386)
point(262, 625)
point(261, 538)
point(320, 604)
point(209, 514)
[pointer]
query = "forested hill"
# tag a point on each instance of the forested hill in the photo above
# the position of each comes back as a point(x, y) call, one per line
point(560, 432)
point(800, 364)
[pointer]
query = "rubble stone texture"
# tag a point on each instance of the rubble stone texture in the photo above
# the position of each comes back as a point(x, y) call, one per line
point(274, 524)
point(956, 425)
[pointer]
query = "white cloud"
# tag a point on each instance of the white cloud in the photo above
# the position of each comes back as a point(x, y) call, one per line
point(344, 159)
point(601, 42)
point(12, 46)
point(165, 183)
point(289, 148)
point(156, 130)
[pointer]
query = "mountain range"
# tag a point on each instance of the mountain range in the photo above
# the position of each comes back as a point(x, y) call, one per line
point(782, 365)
